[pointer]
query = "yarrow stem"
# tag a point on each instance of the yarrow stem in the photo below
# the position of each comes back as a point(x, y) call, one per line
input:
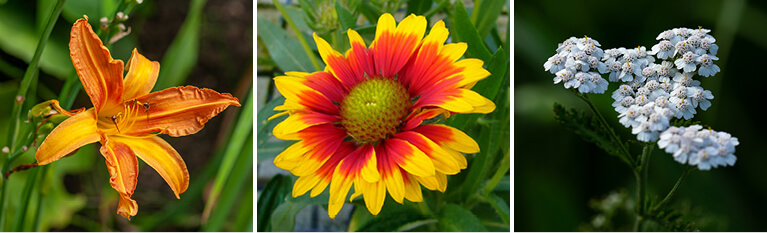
point(685, 171)
point(625, 155)
point(641, 177)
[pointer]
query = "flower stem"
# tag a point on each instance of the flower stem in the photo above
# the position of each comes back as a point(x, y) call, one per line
point(686, 171)
point(299, 35)
point(641, 177)
point(625, 155)
point(29, 75)
point(504, 167)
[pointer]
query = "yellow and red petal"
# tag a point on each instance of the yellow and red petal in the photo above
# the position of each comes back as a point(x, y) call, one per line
point(337, 64)
point(123, 171)
point(323, 141)
point(374, 194)
point(161, 156)
point(412, 188)
point(300, 96)
point(442, 160)
point(71, 134)
point(449, 137)
point(408, 157)
point(100, 75)
point(457, 100)
point(141, 77)
point(360, 57)
point(390, 173)
point(392, 46)
point(415, 120)
point(179, 111)
point(288, 129)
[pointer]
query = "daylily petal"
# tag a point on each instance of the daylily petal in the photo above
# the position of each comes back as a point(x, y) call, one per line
point(71, 134)
point(161, 156)
point(123, 171)
point(179, 111)
point(100, 75)
point(141, 77)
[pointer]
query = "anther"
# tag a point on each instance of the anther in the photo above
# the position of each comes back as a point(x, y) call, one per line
point(114, 120)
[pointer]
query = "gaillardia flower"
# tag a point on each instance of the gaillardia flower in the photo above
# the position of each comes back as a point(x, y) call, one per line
point(126, 119)
point(361, 121)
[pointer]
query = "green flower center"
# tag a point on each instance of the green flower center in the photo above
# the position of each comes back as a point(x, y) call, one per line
point(373, 109)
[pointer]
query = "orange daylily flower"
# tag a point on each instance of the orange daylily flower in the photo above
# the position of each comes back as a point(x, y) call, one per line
point(126, 119)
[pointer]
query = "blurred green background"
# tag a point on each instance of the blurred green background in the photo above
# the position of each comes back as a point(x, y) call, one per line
point(557, 173)
point(204, 43)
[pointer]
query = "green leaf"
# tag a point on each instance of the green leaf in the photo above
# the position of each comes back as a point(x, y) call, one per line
point(271, 149)
point(284, 217)
point(393, 217)
point(243, 220)
point(418, 7)
point(500, 207)
point(242, 170)
point(345, 17)
point(455, 218)
point(285, 50)
point(234, 147)
point(272, 196)
point(181, 57)
point(490, 10)
point(587, 127)
point(488, 87)
point(464, 31)
point(264, 128)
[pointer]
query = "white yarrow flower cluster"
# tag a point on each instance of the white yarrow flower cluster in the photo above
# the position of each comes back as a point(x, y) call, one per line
point(575, 64)
point(626, 64)
point(662, 91)
point(693, 49)
point(694, 145)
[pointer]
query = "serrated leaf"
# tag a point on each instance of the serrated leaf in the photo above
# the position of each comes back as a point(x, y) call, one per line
point(587, 127)
point(345, 17)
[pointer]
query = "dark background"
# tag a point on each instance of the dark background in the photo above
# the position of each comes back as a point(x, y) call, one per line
point(557, 173)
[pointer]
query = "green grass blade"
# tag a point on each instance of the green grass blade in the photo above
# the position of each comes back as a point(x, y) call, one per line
point(242, 170)
point(244, 127)
point(181, 56)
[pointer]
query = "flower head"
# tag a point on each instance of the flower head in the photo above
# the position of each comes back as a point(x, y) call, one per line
point(694, 145)
point(362, 121)
point(126, 119)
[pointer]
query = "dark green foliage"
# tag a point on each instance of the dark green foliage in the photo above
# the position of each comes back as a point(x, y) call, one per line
point(587, 127)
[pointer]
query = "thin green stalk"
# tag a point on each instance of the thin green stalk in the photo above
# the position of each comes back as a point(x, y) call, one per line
point(686, 171)
point(30, 74)
point(40, 199)
point(475, 12)
point(641, 177)
point(299, 35)
point(436, 9)
point(26, 194)
point(626, 156)
point(504, 167)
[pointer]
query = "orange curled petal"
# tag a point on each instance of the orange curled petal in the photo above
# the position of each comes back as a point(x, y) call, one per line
point(71, 134)
point(161, 156)
point(123, 170)
point(100, 75)
point(179, 111)
point(127, 207)
point(141, 77)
